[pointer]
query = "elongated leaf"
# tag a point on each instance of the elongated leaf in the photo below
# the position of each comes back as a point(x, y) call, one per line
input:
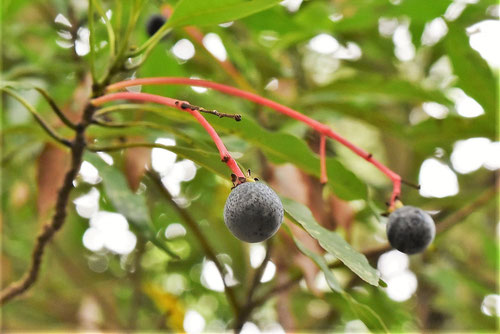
point(206, 12)
point(132, 206)
point(369, 317)
point(374, 88)
point(331, 241)
point(320, 262)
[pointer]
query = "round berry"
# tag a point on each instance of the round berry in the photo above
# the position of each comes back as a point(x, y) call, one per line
point(154, 23)
point(410, 230)
point(253, 212)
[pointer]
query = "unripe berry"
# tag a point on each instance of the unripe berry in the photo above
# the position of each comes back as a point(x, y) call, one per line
point(154, 23)
point(253, 212)
point(410, 230)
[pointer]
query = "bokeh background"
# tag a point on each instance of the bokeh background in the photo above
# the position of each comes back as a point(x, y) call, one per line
point(413, 82)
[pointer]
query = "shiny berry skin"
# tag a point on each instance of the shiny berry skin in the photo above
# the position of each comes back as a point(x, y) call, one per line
point(154, 23)
point(253, 212)
point(410, 230)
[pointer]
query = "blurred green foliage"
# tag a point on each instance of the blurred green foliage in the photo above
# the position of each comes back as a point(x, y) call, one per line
point(374, 99)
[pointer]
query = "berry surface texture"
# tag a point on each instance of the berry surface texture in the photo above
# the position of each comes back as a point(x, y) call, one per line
point(410, 230)
point(253, 212)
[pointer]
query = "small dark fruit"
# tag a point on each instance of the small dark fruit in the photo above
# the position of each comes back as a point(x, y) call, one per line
point(154, 23)
point(410, 230)
point(253, 212)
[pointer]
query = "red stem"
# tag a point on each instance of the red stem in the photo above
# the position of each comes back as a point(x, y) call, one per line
point(322, 159)
point(181, 105)
point(321, 128)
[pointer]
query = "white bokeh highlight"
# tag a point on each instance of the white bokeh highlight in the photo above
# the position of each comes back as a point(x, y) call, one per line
point(183, 49)
point(394, 270)
point(194, 323)
point(214, 45)
point(323, 44)
point(257, 254)
point(109, 231)
point(175, 230)
point(483, 37)
point(437, 179)
point(465, 105)
point(469, 155)
point(211, 277)
point(88, 204)
point(89, 173)
point(491, 305)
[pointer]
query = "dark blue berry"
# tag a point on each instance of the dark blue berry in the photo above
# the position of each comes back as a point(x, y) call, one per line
point(410, 230)
point(154, 23)
point(253, 212)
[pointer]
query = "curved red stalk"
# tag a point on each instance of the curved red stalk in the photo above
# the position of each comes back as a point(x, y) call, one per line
point(224, 154)
point(320, 127)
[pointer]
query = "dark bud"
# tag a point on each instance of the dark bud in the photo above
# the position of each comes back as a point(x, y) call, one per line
point(155, 22)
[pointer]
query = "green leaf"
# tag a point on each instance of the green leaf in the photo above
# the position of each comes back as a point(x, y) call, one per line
point(331, 241)
point(320, 261)
point(207, 12)
point(371, 87)
point(132, 206)
point(369, 317)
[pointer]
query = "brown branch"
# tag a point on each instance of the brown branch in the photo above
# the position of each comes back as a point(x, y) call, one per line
point(461, 214)
point(236, 117)
point(136, 284)
point(248, 308)
point(193, 225)
point(49, 229)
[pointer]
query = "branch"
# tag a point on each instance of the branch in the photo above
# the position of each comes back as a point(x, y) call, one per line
point(181, 105)
point(49, 229)
point(51, 132)
point(136, 277)
point(319, 127)
point(461, 214)
point(193, 225)
point(55, 108)
point(249, 306)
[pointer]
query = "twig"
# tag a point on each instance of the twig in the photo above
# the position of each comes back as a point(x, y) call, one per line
point(49, 229)
point(236, 117)
point(193, 225)
point(249, 307)
point(461, 214)
point(38, 118)
point(45, 95)
point(318, 126)
point(136, 284)
point(55, 108)
point(181, 105)
point(276, 290)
